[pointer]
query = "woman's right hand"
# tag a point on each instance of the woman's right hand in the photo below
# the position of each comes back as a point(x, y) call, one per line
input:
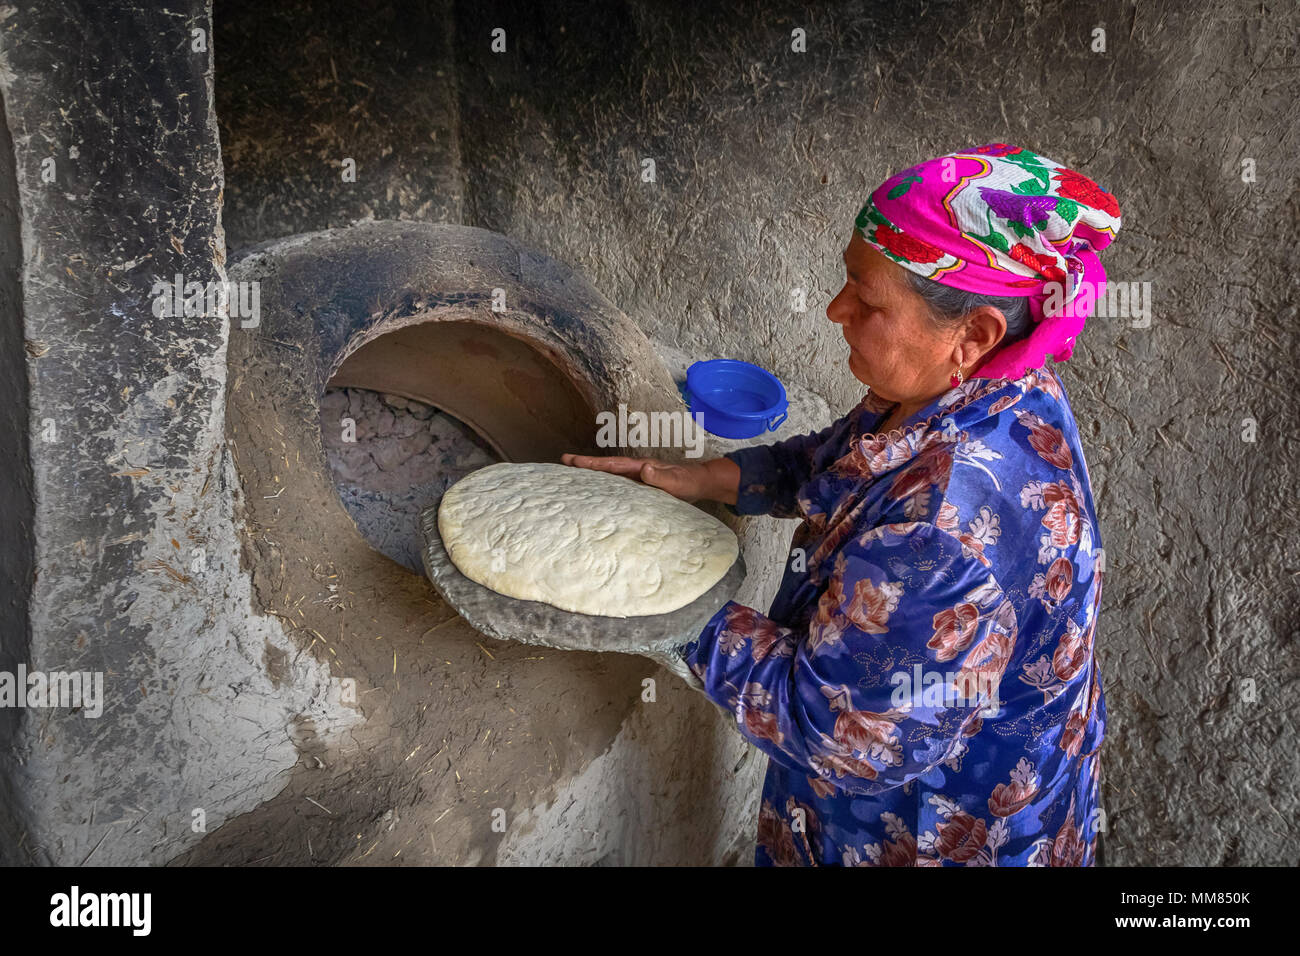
point(687, 482)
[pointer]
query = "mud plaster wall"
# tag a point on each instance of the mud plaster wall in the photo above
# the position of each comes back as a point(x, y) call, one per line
point(135, 554)
point(764, 156)
point(17, 505)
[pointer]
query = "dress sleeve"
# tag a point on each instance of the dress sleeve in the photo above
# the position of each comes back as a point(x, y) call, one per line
point(905, 651)
point(771, 474)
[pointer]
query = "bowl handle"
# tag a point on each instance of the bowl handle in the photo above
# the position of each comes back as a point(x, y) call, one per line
point(772, 425)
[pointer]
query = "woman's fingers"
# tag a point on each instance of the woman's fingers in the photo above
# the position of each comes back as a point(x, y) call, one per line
point(678, 480)
point(614, 464)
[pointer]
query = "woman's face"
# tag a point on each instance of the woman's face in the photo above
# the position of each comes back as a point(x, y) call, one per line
point(895, 347)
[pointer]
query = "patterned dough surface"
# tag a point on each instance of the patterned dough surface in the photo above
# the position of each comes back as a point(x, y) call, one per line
point(581, 540)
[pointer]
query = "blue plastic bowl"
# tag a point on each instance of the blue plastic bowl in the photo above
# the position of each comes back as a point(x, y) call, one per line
point(735, 399)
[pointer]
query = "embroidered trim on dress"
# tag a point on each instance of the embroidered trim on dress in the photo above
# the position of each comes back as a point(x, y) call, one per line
point(995, 384)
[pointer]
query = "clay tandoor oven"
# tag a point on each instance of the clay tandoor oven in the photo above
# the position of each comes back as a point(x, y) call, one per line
point(456, 726)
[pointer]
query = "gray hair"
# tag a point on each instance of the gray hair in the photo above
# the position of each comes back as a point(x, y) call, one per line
point(947, 305)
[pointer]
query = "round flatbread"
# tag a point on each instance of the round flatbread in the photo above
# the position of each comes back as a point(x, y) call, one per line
point(581, 540)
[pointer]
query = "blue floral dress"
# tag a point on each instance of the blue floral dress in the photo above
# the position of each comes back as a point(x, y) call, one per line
point(924, 683)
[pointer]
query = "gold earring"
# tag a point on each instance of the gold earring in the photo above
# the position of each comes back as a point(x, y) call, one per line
point(956, 378)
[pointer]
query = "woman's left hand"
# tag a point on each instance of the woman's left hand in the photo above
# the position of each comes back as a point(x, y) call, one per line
point(687, 482)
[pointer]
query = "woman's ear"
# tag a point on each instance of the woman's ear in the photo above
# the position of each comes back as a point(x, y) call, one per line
point(984, 329)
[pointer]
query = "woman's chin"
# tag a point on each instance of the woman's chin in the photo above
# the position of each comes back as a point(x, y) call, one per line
point(861, 374)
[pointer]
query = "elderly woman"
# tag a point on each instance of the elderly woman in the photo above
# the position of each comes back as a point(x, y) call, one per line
point(924, 682)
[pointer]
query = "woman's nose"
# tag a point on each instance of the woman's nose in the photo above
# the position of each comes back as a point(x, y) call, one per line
point(836, 311)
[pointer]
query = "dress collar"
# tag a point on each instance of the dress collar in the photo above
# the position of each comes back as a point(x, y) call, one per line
point(945, 419)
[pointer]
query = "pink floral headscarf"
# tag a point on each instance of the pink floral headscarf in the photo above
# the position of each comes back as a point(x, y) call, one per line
point(1004, 221)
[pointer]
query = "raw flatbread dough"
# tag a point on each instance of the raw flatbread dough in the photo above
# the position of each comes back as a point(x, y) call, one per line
point(582, 540)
